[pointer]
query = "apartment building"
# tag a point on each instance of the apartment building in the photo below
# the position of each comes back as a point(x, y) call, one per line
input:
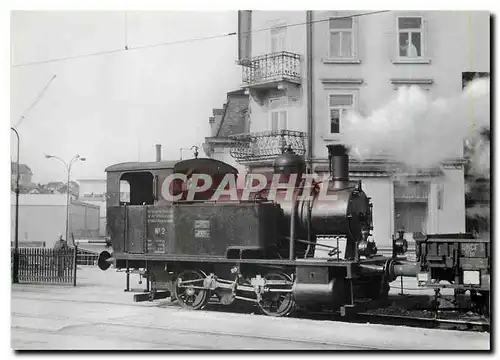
point(306, 68)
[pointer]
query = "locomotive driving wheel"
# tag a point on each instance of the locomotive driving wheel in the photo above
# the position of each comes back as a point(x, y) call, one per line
point(189, 290)
point(275, 302)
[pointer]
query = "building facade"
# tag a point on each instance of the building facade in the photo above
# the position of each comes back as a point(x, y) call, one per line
point(308, 67)
point(93, 191)
point(232, 119)
point(42, 217)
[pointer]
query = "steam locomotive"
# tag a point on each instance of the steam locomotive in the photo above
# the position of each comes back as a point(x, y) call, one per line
point(275, 250)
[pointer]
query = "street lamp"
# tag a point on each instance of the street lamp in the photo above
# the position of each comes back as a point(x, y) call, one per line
point(68, 168)
point(15, 265)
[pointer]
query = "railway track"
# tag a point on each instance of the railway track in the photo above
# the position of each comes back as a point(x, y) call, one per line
point(405, 320)
point(427, 322)
point(362, 317)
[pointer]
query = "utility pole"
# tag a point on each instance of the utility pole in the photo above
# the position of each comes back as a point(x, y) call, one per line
point(15, 265)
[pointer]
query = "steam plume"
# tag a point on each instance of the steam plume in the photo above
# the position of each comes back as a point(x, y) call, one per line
point(421, 132)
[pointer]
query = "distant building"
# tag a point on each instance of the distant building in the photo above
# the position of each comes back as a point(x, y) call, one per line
point(61, 188)
point(93, 191)
point(42, 217)
point(25, 175)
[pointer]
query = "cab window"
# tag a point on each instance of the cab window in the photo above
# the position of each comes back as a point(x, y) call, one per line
point(136, 188)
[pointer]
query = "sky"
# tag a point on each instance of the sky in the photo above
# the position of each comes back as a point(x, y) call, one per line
point(114, 108)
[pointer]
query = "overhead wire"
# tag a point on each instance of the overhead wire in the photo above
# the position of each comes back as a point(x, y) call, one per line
point(185, 41)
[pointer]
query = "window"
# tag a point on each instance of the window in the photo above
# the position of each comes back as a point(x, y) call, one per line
point(410, 37)
point(136, 188)
point(339, 104)
point(278, 39)
point(278, 119)
point(124, 191)
point(341, 38)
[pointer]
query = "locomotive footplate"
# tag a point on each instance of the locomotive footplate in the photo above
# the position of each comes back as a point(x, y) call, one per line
point(140, 260)
point(151, 296)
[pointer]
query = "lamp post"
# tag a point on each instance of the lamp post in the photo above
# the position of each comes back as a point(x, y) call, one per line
point(68, 168)
point(15, 265)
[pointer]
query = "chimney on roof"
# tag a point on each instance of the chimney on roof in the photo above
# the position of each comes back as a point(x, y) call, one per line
point(158, 152)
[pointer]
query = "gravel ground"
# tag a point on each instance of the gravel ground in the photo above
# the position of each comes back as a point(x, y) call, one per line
point(98, 314)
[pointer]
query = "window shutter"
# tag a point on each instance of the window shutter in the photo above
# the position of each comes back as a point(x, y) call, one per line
point(274, 120)
point(334, 43)
point(341, 100)
point(425, 32)
point(284, 120)
point(274, 44)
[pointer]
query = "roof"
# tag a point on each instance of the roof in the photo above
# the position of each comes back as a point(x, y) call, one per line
point(86, 204)
point(138, 166)
point(23, 168)
point(209, 166)
point(230, 108)
point(98, 180)
point(379, 167)
point(237, 92)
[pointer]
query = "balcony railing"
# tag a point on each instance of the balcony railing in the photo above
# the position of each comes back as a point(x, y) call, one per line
point(275, 67)
point(267, 145)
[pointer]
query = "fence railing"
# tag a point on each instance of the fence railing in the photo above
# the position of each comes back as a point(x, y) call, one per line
point(278, 66)
point(42, 265)
point(86, 258)
point(267, 145)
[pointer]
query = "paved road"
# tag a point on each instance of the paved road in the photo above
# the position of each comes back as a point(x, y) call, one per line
point(97, 314)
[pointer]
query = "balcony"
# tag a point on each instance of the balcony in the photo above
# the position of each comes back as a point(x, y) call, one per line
point(265, 146)
point(271, 70)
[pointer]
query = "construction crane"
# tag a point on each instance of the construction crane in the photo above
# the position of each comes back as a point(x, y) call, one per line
point(38, 98)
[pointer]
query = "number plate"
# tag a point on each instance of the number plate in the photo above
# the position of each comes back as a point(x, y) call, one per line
point(201, 233)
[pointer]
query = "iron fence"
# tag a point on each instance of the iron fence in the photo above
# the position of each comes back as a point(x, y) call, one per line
point(267, 145)
point(42, 265)
point(278, 66)
point(86, 258)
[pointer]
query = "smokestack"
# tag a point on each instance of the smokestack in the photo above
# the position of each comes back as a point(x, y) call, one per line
point(339, 165)
point(158, 152)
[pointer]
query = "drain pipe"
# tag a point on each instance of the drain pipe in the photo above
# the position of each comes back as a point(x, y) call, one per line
point(158, 152)
point(309, 80)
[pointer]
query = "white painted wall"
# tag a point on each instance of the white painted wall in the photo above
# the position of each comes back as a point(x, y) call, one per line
point(42, 217)
point(296, 43)
point(452, 218)
point(382, 196)
point(454, 42)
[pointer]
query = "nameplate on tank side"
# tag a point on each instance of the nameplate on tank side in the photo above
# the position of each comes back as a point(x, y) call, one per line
point(202, 228)
point(160, 215)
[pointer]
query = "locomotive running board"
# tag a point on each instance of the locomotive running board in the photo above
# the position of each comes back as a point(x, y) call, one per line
point(151, 296)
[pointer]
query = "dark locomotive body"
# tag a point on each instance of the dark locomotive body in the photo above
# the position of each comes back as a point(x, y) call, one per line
point(276, 251)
